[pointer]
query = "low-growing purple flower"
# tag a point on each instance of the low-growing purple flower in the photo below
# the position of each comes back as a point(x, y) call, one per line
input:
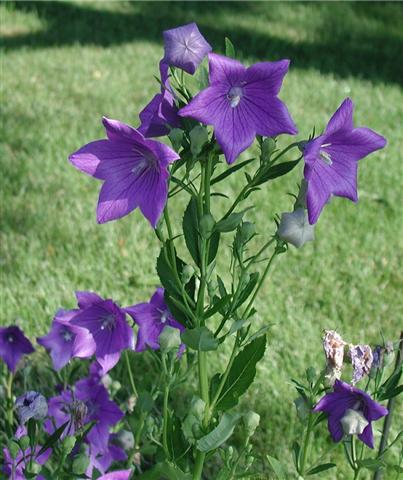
point(185, 47)
point(102, 460)
point(31, 405)
point(151, 318)
point(13, 468)
point(106, 322)
point(117, 475)
point(13, 345)
point(361, 359)
point(134, 170)
point(65, 340)
point(331, 160)
point(241, 103)
point(162, 112)
point(350, 411)
point(88, 402)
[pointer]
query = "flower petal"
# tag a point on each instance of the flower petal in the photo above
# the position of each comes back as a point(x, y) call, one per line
point(225, 70)
point(342, 119)
point(367, 436)
point(266, 78)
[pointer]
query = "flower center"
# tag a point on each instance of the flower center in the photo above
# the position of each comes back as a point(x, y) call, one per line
point(234, 96)
point(325, 156)
point(67, 336)
point(108, 322)
point(145, 162)
point(10, 339)
point(164, 316)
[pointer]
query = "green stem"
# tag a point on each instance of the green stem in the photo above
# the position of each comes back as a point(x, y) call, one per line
point(292, 145)
point(129, 371)
point(259, 286)
point(198, 467)
point(165, 425)
point(224, 377)
point(9, 396)
point(305, 446)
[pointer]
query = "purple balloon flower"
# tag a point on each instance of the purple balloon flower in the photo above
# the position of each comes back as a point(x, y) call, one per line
point(108, 326)
point(161, 112)
point(13, 468)
point(13, 345)
point(151, 318)
point(331, 160)
point(185, 47)
point(241, 102)
point(133, 168)
point(350, 411)
point(89, 402)
point(65, 340)
point(118, 475)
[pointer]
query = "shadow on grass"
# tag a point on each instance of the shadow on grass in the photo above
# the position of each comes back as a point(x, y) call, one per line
point(349, 39)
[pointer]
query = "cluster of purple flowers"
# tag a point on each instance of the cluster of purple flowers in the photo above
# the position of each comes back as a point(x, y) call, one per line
point(239, 103)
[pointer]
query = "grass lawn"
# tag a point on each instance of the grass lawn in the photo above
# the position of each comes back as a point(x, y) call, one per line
point(64, 65)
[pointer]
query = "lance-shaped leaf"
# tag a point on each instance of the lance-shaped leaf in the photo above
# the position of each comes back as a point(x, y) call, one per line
point(191, 230)
point(241, 374)
point(231, 222)
point(275, 171)
point(321, 468)
point(220, 434)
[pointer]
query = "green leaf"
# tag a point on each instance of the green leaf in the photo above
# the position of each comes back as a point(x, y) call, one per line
point(220, 434)
point(200, 338)
point(242, 373)
point(371, 463)
point(218, 306)
point(231, 222)
point(247, 290)
point(321, 468)
point(229, 48)
point(296, 449)
point(190, 230)
point(277, 467)
point(202, 77)
point(165, 471)
point(231, 170)
point(52, 439)
point(275, 171)
point(213, 246)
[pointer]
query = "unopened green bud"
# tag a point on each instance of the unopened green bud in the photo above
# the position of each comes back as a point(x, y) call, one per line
point(251, 422)
point(212, 288)
point(268, 146)
point(245, 277)
point(34, 468)
point(115, 386)
point(169, 339)
point(24, 442)
point(187, 273)
point(198, 137)
point(302, 408)
point(206, 225)
point(13, 448)
point(68, 444)
point(248, 461)
point(176, 137)
point(80, 464)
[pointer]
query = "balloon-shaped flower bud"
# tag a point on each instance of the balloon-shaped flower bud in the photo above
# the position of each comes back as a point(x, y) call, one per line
point(268, 146)
point(31, 405)
point(353, 422)
point(198, 138)
point(294, 228)
point(251, 421)
point(124, 439)
point(187, 273)
point(169, 339)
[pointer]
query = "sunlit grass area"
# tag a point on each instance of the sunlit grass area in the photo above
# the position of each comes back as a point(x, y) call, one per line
point(64, 65)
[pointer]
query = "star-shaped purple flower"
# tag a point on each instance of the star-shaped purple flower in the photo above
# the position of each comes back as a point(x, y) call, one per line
point(118, 475)
point(331, 160)
point(107, 324)
point(133, 168)
point(241, 103)
point(13, 345)
point(91, 402)
point(350, 408)
point(65, 340)
point(151, 318)
point(185, 47)
point(162, 112)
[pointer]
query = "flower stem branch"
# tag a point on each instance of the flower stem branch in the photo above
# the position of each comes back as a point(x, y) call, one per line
point(129, 371)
